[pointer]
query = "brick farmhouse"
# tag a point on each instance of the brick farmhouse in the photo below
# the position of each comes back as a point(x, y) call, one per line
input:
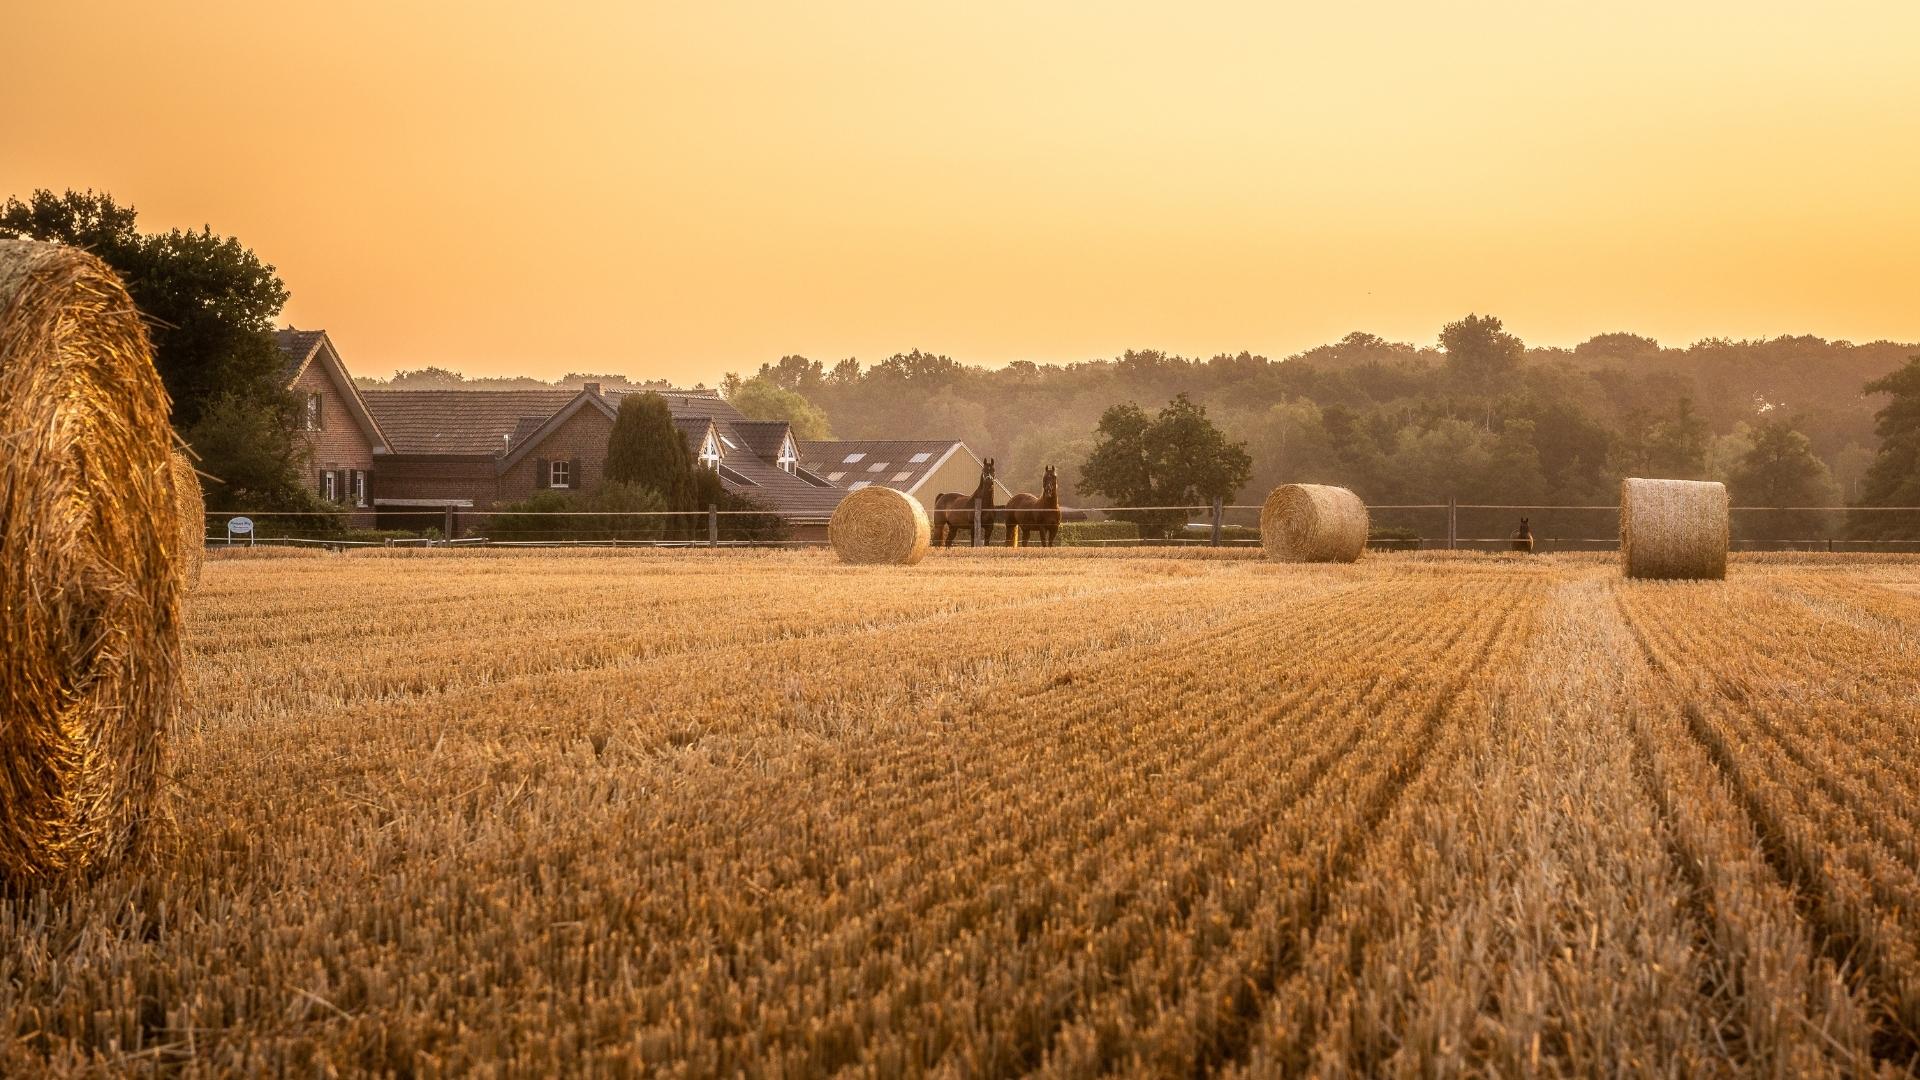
point(413, 458)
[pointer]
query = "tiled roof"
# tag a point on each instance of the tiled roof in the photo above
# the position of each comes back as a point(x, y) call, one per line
point(459, 421)
point(778, 490)
point(763, 437)
point(297, 345)
point(896, 463)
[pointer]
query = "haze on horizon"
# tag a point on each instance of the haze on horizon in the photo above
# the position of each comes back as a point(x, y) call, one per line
point(675, 191)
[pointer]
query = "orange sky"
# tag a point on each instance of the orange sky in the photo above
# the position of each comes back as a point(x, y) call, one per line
point(679, 190)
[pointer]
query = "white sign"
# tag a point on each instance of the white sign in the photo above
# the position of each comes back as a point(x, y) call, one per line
point(239, 526)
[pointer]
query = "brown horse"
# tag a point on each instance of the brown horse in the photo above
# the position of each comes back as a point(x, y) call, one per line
point(1523, 537)
point(953, 511)
point(1030, 514)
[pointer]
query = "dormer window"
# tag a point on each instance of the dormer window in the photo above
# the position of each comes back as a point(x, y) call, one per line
point(710, 452)
point(560, 474)
point(789, 459)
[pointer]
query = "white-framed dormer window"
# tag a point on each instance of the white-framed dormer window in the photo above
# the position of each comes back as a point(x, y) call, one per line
point(710, 452)
point(560, 474)
point(789, 457)
point(314, 417)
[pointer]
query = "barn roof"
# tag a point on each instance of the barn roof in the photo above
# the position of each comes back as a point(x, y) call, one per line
point(901, 464)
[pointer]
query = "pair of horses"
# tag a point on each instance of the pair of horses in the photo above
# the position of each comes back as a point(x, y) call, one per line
point(1027, 516)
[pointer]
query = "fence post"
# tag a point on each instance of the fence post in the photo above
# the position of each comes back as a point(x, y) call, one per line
point(1453, 524)
point(446, 522)
point(713, 525)
point(1219, 512)
point(977, 542)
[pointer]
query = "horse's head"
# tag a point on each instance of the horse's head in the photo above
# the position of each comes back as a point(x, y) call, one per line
point(986, 472)
point(1050, 483)
point(1524, 527)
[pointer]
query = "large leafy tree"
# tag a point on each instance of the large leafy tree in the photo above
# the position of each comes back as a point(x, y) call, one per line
point(1480, 353)
point(762, 399)
point(1780, 469)
point(1894, 477)
point(1178, 458)
point(210, 304)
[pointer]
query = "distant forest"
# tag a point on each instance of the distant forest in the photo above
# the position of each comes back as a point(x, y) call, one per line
point(1394, 421)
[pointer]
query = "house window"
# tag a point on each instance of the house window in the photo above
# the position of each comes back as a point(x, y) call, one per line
point(329, 486)
point(852, 458)
point(359, 487)
point(559, 474)
point(314, 418)
point(710, 453)
point(919, 458)
point(789, 460)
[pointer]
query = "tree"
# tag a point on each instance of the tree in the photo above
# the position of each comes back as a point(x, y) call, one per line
point(256, 457)
point(796, 373)
point(210, 305)
point(1782, 470)
point(1178, 458)
point(1514, 473)
point(762, 399)
point(1894, 477)
point(646, 450)
point(1480, 353)
point(554, 515)
point(1679, 444)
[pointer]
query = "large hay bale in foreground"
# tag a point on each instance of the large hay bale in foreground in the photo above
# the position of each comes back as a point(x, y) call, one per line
point(89, 646)
point(878, 525)
point(190, 507)
point(1313, 523)
point(1673, 528)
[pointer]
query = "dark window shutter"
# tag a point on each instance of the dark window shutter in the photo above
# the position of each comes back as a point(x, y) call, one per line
point(540, 474)
point(574, 476)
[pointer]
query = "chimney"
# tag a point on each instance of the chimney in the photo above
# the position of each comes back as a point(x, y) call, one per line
point(593, 388)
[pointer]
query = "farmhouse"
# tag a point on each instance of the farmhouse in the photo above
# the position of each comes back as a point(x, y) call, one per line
point(922, 468)
point(421, 455)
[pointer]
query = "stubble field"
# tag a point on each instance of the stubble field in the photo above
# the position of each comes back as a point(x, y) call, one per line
point(1007, 813)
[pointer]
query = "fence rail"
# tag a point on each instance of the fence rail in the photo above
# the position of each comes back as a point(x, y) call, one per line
point(1398, 526)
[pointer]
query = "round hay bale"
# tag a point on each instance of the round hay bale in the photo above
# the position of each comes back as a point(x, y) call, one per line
point(1673, 528)
point(190, 506)
point(1313, 523)
point(90, 646)
point(878, 525)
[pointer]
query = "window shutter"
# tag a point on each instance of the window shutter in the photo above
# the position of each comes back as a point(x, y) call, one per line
point(574, 477)
point(540, 475)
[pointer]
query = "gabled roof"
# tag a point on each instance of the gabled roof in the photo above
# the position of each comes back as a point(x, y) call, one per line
point(763, 437)
point(301, 348)
point(901, 464)
point(481, 422)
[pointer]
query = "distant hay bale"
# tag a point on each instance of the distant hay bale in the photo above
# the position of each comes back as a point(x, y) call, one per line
point(190, 507)
point(878, 525)
point(1313, 523)
point(89, 647)
point(1673, 528)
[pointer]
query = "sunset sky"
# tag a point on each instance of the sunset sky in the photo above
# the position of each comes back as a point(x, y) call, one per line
point(680, 190)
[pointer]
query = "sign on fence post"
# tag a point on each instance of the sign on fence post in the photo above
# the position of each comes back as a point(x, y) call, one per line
point(1219, 512)
point(713, 525)
point(239, 526)
point(977, 542)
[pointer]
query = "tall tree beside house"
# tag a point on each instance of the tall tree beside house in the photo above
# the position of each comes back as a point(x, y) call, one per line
point(760, 398)
point(1893, 479)
point(210, 305)
point(1178, 458)
point(646, 450)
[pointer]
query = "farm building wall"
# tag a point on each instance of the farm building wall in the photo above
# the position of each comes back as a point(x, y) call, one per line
point(581, 438)
point(339, 445)
point(960, 473)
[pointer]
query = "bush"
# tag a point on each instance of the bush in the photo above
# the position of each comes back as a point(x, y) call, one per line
point(1086, 532)
point(521, 521)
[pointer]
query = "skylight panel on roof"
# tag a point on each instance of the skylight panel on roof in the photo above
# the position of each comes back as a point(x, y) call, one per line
point(858, 484)
point(835, 476)
point(731, 445)
point(851, 458)
point(900, 477)
point(878, 466)
point(919, 459)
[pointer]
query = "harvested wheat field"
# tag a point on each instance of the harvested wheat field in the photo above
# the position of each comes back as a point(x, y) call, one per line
point(996, 814)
